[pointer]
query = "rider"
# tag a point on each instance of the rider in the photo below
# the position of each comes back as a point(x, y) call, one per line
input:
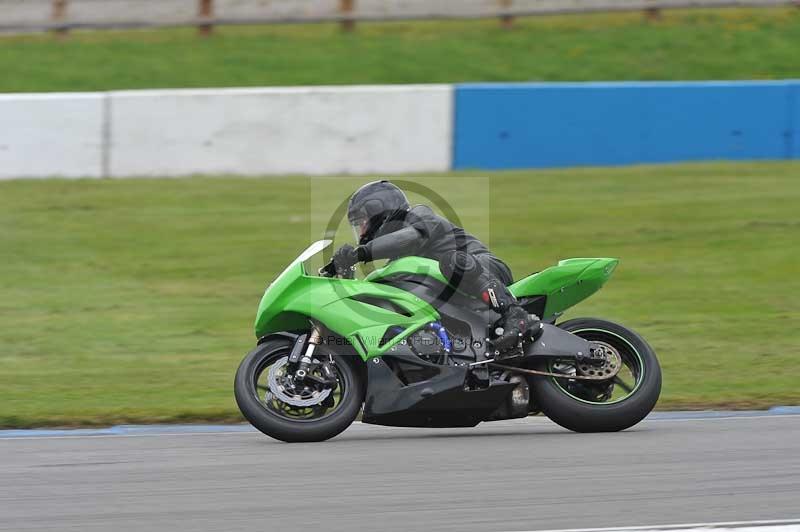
point(387, 227)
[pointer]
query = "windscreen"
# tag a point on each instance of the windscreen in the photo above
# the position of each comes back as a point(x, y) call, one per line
point(312, 250)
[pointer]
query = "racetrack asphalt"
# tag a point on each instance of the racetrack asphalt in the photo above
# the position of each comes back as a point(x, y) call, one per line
point(509, 475)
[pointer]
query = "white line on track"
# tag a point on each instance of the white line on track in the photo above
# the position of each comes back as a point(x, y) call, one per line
point(720, 418)
point(777, 525)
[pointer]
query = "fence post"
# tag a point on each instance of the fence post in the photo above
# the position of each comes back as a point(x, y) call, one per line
point(653, 12)
point(205, 10)
point(58, 15)
point(506, 21)
point(346, 7)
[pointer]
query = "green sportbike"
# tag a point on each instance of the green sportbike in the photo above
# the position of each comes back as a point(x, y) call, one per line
point(413, 351)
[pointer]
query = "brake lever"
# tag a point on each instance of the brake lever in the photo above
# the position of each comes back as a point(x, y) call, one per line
point(329, 270)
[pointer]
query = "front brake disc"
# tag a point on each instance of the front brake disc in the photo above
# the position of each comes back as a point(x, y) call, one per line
point(280, 391)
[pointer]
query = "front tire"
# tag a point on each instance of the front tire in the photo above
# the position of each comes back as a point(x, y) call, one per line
point(594, 408)
point(283, 423)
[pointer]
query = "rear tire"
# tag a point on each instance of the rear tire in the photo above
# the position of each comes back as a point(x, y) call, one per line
point(582, 415)
point(300, 430)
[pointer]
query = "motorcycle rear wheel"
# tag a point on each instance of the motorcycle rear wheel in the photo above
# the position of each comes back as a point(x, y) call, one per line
point(608, 406)
point(281, 421)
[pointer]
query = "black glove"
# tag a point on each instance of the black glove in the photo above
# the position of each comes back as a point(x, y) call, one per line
point(345, 258)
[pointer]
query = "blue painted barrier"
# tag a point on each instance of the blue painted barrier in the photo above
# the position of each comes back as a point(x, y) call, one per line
point(530, 125)
point(794, 120)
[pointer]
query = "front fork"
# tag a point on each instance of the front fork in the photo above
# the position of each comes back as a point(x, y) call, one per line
point(301, 360)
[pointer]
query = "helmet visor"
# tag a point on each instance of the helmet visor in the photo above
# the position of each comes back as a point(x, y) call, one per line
point(359, 228)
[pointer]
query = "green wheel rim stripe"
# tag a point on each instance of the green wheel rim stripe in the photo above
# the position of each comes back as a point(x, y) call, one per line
point(638, 381)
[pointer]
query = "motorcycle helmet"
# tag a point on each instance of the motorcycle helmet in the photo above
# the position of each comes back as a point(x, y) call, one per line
point(371, 205)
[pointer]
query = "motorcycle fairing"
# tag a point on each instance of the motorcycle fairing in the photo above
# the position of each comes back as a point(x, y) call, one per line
point(566, 284)
point(408, 266)
point(340, 305)
point(439, 401)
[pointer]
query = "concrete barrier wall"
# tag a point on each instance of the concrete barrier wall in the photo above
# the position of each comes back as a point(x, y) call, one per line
point(321, 130)
point(24, 12)
point(45, 135)
point(563, 124)
point(394, 129)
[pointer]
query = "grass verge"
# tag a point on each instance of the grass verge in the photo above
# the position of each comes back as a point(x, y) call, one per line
point(133, 300)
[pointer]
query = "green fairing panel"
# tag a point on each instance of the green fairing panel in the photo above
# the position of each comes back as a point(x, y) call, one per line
point(294, 297)
point(566, 284)
point(409, 265)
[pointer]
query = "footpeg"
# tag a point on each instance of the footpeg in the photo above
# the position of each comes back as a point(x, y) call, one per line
point(537, 329)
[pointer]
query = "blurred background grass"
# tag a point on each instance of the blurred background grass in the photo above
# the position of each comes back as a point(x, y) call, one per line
point(133, 300)
point(683, 45)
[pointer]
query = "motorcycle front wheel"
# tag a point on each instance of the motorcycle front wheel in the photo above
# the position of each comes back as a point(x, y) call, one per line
point(307, 413)
point(601, 406)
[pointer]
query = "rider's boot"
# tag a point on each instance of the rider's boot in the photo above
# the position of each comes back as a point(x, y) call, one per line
point(514, 323)
point(462, 270)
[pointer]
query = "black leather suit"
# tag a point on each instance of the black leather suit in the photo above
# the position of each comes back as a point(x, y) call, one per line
point(463, 259)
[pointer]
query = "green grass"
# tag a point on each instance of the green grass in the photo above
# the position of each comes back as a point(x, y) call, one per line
point(701, 44)
point(133, 300)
